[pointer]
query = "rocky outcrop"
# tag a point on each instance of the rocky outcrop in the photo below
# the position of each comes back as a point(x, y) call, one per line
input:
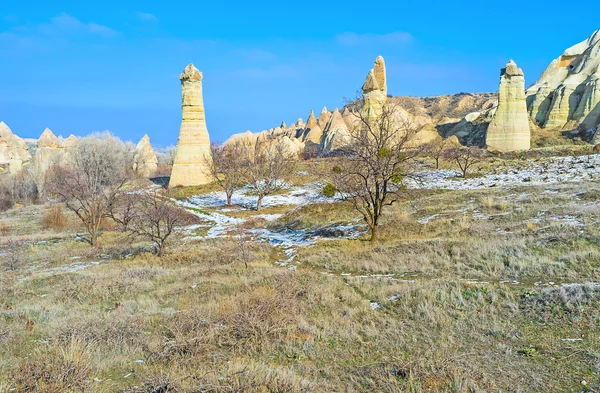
point(567, 95)
point(471, 130)
point(374, 90)
point(337, 135)
point(509, 129)
point(13, 150)
point(145, 162)
point(193, 145)
point(323, 118)
point(49, 152)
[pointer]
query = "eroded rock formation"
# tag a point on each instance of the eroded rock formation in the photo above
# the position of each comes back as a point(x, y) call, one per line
point(323, 118)
point(375, 90)
point(193, 145)
point(337, 135)
point(13, 150)
point(145, 162)
point(509, 128)
point(567, 95)
point(49, 152)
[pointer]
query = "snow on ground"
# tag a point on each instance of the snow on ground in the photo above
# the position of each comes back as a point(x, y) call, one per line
point(288, 241)
point(219, 223)
point(295, 196)
point(536, 172)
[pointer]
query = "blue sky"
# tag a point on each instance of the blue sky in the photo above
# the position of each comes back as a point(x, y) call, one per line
point(79, 67)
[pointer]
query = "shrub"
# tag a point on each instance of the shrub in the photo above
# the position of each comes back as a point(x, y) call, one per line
point(54, 219)
point(56, 369)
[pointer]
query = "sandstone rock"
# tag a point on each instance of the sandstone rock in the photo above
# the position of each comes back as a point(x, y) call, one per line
point(567, 94)
point(292, 146)
point(69, 145)
point(48, 139)
point(13, 150)
point(471, 130)
point(283, 125)
point(49, 152)
point(337, 134)
point(374, 91)
point(313, 135)
point(312, 121)
point(70, 142)
point(193, 145)
point(453, 141)
point(509, 129)
point(323, 118)
point(145, 162)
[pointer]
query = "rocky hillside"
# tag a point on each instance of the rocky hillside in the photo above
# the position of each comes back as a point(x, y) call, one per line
point(442, 108)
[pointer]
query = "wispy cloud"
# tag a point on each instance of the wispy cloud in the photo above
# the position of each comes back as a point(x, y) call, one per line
point(355, 39)
point(65, 23)
point(146, 17)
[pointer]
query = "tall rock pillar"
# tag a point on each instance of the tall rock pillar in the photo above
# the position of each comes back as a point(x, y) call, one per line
point(193, 146)
point(375, 91)
point(509, 129)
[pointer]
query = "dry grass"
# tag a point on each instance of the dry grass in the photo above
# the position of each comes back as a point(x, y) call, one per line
point(199, 320)
point(54, 219)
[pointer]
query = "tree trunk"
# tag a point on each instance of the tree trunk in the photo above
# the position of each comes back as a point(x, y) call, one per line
point(437, 163)
point(228, 199)
point(373, 233)
point(259, 203)
point(94, 238)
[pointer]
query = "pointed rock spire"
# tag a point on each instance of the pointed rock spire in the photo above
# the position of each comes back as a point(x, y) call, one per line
point(48, 139)
point(374, 90)
point(70, 142)
point(323, 118)
point(337, 134)
point(145, 162)
point(312, 121)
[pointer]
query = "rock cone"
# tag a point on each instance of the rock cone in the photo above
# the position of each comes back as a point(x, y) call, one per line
point(145, 162)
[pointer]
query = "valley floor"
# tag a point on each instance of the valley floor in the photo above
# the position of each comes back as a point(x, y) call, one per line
point(490, 284)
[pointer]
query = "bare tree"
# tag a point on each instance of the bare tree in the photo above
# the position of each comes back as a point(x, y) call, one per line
point(155, 219)
point(435, 149)
point(381, 154)
point(122, 209)
point(227, 167)
point(465, 157)
point(93, 181)
point(266, 168)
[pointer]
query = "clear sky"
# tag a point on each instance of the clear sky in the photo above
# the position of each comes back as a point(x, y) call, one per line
point(78, 66)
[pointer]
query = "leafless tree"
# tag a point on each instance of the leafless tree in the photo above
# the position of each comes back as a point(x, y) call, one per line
point(93, 181)
point(122, 208)
point(465, 157)
point(380, 156)
point(435, 149)
point(267, 166)
point(227, 167)
point(155, 219)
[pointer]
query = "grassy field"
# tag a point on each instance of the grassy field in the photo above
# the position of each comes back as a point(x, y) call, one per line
point(490, 290)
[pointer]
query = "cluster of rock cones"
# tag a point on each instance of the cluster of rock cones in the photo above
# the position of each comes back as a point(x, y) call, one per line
point(566, 97)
